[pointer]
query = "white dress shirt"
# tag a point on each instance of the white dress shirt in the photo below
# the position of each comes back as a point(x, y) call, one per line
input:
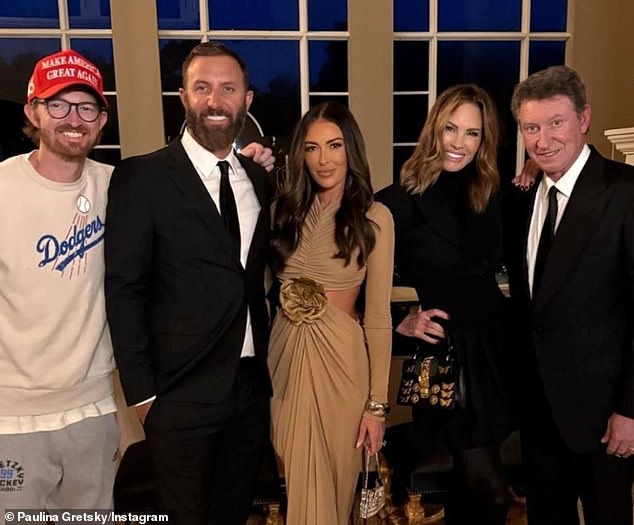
point(564, 186)
point(206, 164)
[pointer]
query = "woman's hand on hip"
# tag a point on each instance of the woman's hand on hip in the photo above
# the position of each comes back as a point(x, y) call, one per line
point(422, 325)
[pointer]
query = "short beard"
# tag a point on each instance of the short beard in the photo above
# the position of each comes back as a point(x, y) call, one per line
point(64, 151)
point(215, 139)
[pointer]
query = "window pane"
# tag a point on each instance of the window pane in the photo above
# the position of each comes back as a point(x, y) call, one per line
point(495, 67)
point(274, 76)
point(411, 15)
point(171, 56)
point(479, 15)
point(328, 65)
point(12, 140)
point(110, 135)
point(99, 51)
point(543, 54)
point(173, 116)
point(400, 155)
point(254, 14)
point(89, 15)
point(177, 14)
point(314, 100)
point(548, 15)
point(409, 116)
point(29, 13)
point(17, 59)
point(411, 66)
point(327, 15)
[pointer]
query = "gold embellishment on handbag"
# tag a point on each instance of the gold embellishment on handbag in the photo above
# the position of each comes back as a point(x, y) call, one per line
point(372, 499)
point(432, 381)
point(303, 300)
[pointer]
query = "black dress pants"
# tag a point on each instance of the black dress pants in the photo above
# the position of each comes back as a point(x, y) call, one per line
point(207, 458)
point(557, 477)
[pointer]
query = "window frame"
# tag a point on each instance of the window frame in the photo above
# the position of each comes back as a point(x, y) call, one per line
point(524, 36)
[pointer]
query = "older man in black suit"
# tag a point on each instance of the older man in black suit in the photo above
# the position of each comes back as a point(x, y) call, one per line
point(188, 233)
point(570, 250)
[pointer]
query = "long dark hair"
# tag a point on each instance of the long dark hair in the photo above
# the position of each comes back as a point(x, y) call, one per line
point(353, 230)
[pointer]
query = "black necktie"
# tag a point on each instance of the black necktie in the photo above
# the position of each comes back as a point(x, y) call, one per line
point(228, 208)
point(546, 239)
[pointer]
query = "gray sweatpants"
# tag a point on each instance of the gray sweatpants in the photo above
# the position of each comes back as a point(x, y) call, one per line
point(73, 467)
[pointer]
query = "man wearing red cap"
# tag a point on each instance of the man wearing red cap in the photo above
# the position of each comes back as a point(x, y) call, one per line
point(58, 433)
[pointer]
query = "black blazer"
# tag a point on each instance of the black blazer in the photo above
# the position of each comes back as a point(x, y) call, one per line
point(451, 266)
point(176, 293)
point(580, 327)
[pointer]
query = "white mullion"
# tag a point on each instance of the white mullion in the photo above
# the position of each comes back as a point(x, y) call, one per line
point(433, 53)
point(204, 28)
point(412, 35)
point(526, 38)
point(479, 35)
point(29, 33)
point(64, 23)
point(424, 92)
point(330, 93)
point(564, 35)
point(253, 35)
point(524, 59)
point(304, 81)
point(304, 84)
point(329, 35)
point(186, 34)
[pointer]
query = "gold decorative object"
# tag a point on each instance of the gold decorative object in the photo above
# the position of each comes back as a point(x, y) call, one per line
point(303, 300)
point(377, 409)
point(272, 514)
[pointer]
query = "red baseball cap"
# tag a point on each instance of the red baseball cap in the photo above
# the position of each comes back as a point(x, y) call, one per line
point(62, 70)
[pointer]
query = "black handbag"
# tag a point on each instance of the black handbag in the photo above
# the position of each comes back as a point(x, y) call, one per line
point(432, 380)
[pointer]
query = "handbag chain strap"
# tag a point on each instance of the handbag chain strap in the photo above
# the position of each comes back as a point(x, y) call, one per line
point(366, 470)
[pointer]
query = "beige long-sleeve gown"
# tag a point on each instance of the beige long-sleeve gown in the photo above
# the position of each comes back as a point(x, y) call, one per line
point(324, 370)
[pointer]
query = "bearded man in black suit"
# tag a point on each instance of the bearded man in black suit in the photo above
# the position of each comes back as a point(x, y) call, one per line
point(186, 247)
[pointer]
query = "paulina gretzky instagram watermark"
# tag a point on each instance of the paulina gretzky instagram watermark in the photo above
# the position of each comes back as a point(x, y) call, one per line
point(101, 517)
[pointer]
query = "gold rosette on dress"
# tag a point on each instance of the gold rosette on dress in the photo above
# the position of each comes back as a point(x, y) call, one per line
point(303, 300)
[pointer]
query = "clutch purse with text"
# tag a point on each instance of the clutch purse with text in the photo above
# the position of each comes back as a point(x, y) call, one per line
point(432, 380)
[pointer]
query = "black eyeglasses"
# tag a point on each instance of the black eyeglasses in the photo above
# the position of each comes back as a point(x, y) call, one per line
point(59, 108)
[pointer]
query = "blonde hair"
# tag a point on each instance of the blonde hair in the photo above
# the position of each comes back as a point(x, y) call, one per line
point(422, 169)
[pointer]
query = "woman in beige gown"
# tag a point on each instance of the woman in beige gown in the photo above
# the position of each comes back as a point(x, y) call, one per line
point(329, 365)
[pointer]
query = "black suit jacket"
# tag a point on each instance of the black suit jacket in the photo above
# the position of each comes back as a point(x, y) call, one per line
point(579, 329)
point(176, 293)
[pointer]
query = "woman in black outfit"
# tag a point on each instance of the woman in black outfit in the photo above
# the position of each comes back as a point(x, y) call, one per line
point(448, 246)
